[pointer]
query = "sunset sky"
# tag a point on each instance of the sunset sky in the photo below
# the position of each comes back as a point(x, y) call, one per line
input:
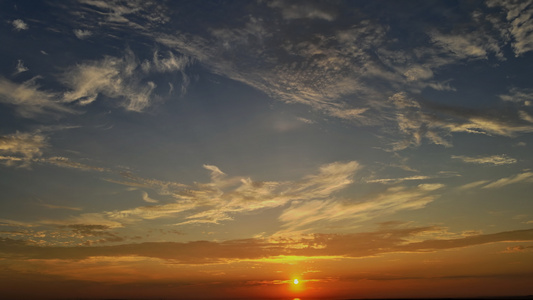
point(223, 149)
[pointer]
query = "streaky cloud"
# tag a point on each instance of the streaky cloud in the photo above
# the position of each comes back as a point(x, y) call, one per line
point(496, 160)
point(29, 100)
point(312, 215)
point(522, 177)
point(67, 163)
point(363, 244)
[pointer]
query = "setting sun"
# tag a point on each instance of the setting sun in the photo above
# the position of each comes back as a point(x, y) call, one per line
point(295, 150)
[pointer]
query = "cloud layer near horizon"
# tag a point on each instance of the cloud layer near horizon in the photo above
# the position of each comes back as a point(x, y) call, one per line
point(314, 245)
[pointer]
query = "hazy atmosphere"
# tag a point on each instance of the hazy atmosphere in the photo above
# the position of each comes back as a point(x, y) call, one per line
point(266, 149)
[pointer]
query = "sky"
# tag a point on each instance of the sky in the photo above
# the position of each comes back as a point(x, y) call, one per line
point(222, 149)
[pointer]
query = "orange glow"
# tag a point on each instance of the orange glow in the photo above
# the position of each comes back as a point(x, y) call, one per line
point(296, 287)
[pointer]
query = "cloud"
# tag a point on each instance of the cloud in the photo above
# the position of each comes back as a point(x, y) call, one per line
point(151, 212)
point(82, 34)
point(342, 66)
point(67, 163)
point(414, 123)
point(519, 25)
point(222, 197)
point(140, 15)
point(318, 212)
point(112, 77)
point(306, 121)
point(19, 25)
point(20, 67)
point(83, 231)
point(347, 73)
point(21, 148)
point(84, 219)
point(29, 100)
point(417, 120)
point(418, 73)
point(473, 184)
point(146, 198)
point(525, 116)
point(524, 96)
point(303, 10)
point(52, 206)
point(312, 202)
point(171, 63)
point(246, 195)
point(397, 180)
point(523, 177)
point(489, 125)
point(120, 78)
point(467, 45)
point(519, 248)
point(344, 72)
point(362, 244)
point(13, 223)
point(494, 159)
point(162, 187)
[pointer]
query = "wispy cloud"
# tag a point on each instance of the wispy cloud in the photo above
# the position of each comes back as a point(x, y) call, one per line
point(522, 177)
point(170, 63)
point(14, 223)
point(67, 163)
point(493, 159)
point(525, 116)
point(20, 67)
point(474, 184)
point(119, 78)
point(112, 77)
point(397, 180)
point(29, 100)
point(221, 198)
point(52, 206)
point(319, 212)
point(422, 119)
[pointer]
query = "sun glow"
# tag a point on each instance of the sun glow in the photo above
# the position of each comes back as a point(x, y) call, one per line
point(296, 281)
